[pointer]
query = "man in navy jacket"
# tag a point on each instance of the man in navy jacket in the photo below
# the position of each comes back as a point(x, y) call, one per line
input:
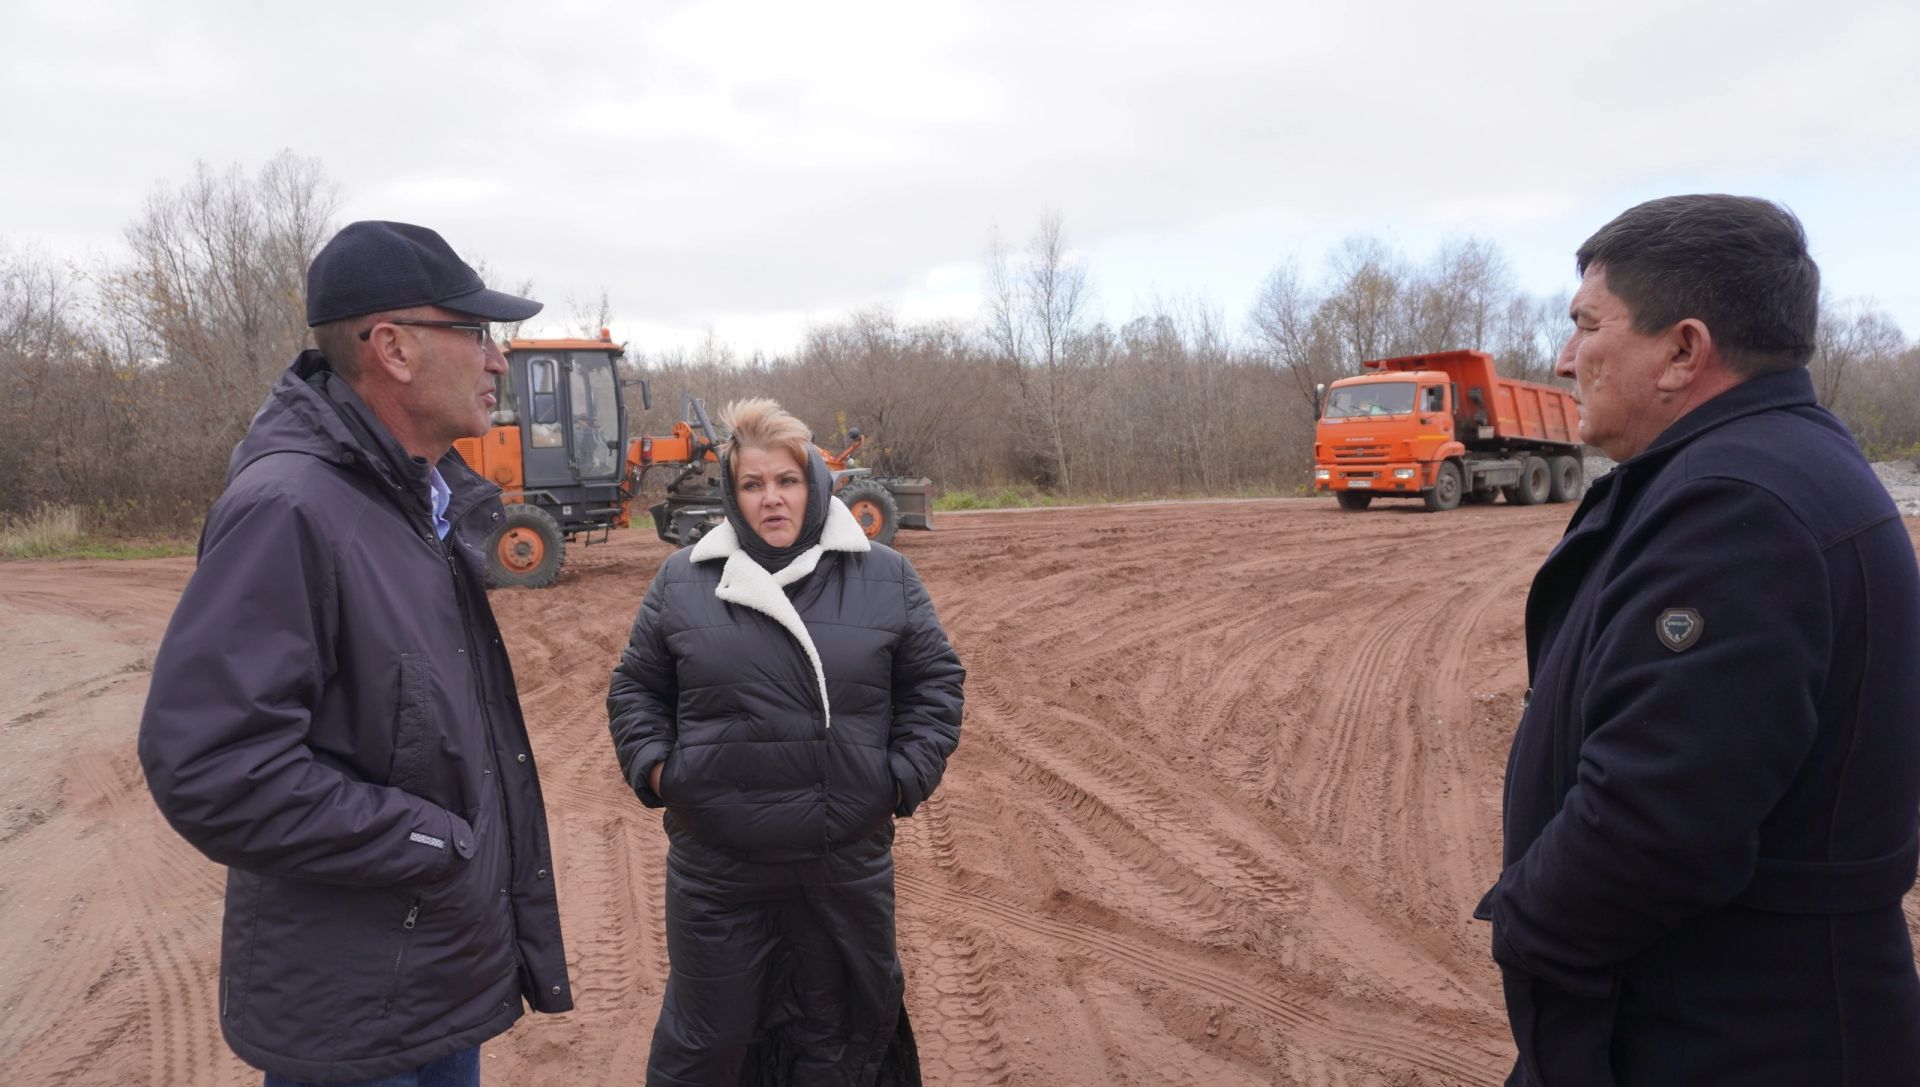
point(1711, 798)
point(333, 716)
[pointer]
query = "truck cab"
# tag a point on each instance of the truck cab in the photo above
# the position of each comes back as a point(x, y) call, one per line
point(1384, 433)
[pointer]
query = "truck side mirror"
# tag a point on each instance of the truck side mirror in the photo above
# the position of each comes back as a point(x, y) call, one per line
point(1319, 399)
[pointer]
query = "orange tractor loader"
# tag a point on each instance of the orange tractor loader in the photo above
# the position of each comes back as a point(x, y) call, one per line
point(556, 450)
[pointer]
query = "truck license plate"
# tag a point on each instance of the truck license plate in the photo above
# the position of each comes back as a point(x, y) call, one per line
point(1352, 483)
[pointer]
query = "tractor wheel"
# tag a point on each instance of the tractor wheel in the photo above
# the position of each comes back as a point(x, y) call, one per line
point(1353, 500)
point(527, 550)
point(873, 506)
point(1569, 479)
point(1445, 493)
point(1536, 482)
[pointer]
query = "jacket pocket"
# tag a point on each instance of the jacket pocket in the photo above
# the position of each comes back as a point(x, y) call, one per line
point(864, 790)
point(414, 729)
point(398, 975)
point(667, 765)
point(451, 968)
point(244, 891)
point(1562, 1039)
point(320, 977)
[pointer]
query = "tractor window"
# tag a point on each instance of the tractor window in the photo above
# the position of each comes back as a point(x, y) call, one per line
point(546, 432)
point(506, 406)
point(596, 414)
point(1434, 398)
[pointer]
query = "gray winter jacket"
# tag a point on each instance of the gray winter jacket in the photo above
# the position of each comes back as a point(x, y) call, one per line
point(333, 717)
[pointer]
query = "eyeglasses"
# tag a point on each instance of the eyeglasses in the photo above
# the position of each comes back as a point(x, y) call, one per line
point(482, 334)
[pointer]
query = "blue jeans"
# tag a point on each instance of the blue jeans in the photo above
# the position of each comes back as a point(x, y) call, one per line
point(460, 1070)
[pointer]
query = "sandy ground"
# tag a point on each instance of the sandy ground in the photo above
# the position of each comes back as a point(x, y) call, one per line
point(1227, 792)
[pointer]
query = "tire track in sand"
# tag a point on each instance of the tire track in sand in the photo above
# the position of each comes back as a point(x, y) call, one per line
point(1355, 1035)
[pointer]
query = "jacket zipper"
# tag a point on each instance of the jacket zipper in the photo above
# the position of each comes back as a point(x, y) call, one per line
point(466, 635)
point(498, 787)
point(400, 956)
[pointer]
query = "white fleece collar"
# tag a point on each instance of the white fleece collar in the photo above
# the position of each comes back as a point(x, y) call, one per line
point(750, 585)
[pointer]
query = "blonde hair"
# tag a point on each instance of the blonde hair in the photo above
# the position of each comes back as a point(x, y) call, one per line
point(761, 423)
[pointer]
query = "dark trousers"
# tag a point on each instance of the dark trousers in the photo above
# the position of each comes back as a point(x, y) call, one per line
point(462, 1069)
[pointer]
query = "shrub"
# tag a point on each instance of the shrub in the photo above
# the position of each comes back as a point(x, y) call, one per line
point(49, 530)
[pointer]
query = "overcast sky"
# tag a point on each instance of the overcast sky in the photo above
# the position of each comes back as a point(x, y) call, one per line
point(750, 167)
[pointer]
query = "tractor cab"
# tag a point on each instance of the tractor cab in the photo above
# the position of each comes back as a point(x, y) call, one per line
point(564, 395)
point(557, 450)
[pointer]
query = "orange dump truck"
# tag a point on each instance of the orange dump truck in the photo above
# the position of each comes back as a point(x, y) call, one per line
point(1446, 428)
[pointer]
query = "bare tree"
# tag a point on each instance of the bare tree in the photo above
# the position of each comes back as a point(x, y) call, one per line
point(37, 327)
point(1527, 339)
point(1457, 300)
point(1284, 320)
point(912, 390)
point(1850, 336)
point(587, 316)
point(1362, 309)
point(208, 311)
point(1036, 320)
point(76, 421)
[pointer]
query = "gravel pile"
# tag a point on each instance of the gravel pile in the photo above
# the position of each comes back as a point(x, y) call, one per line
point(1901, 478)
point(1897, 473)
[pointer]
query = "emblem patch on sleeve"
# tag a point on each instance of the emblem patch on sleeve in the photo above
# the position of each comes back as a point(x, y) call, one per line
point(1679, 628)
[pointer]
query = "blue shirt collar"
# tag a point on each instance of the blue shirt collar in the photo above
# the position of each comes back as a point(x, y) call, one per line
point(442, 494)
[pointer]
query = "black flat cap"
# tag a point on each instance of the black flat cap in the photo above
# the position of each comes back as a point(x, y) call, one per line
point(373, 266)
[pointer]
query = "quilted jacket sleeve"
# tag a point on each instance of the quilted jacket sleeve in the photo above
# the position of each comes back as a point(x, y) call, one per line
point(927, 698)
point(644, 694)
point(223, 737)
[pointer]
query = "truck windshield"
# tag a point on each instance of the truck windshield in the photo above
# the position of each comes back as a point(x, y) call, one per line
point(1380, 398)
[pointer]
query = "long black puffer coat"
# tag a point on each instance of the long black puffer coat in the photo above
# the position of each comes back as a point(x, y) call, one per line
point(797, 714)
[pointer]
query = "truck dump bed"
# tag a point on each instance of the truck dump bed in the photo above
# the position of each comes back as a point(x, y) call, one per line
point(1495, 408)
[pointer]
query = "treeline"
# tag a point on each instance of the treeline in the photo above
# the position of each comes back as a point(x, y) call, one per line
point(123, 386)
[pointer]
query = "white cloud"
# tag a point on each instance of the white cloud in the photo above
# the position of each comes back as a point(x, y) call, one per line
point(747, 166)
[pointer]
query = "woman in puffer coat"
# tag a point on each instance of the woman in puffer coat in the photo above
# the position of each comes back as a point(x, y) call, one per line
point(786, 693)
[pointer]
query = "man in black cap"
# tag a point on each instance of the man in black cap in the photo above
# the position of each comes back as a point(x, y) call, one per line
point(332, 715)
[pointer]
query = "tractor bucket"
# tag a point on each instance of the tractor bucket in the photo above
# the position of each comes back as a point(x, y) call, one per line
point(914, 496)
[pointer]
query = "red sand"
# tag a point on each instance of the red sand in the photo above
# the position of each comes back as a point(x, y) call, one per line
point(1227, 792)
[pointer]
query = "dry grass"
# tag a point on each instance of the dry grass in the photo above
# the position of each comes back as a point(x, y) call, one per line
point(49, 530)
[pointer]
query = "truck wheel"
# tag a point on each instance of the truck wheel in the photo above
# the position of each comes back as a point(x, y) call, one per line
point(873, 506)
point(1569, 479)
point(1535, 483)
point(1353, 500)
point(527, 550)
point(1445, 492)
